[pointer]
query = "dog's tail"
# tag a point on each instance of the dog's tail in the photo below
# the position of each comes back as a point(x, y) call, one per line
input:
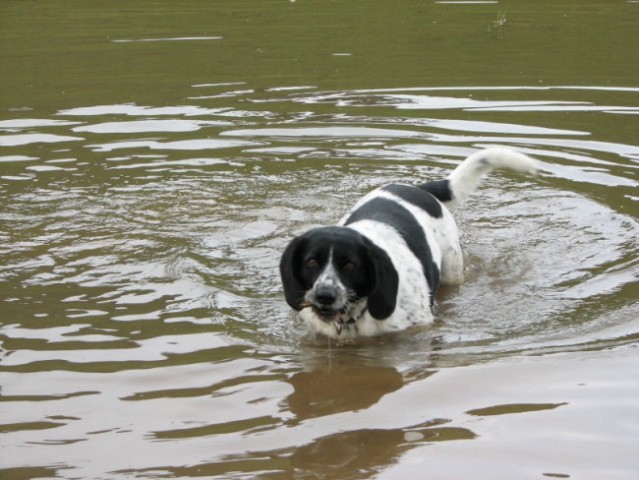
point(466, 177)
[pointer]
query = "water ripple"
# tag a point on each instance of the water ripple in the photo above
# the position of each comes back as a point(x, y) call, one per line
point(140, 271)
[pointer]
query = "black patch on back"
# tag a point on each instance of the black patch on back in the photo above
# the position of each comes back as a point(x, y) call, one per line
point(391, 213)
point(418, 197)
point(440, 189)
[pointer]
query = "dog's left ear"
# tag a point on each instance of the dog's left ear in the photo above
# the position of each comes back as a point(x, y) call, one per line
point(293, 289)
point(383, 298)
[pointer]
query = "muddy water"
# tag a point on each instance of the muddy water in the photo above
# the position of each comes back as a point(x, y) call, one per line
point(158, 156)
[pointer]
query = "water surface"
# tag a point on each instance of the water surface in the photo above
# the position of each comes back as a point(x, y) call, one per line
point(158, 156)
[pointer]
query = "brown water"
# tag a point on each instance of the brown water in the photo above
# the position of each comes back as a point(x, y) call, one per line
point(158, 156)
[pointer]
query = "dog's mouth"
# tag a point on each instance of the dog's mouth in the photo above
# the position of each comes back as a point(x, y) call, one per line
point(340, 318)
point(326, 313)
point(329, 314)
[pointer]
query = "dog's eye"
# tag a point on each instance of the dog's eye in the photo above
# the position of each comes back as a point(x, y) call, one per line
point(349, 266)
point(312, 263)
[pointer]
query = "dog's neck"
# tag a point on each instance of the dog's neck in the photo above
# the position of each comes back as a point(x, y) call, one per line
point(349, 319)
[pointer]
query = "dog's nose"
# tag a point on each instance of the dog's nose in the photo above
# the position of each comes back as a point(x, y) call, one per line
point(326, 295)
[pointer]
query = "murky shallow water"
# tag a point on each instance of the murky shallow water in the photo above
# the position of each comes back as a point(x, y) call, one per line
point(143, 328)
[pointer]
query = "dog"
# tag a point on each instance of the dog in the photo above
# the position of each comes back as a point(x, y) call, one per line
point(379, 268)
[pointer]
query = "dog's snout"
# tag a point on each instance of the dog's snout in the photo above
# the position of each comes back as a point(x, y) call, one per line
point(326, 294)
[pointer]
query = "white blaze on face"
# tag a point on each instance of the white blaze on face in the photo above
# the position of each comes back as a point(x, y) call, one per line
point(329, 278)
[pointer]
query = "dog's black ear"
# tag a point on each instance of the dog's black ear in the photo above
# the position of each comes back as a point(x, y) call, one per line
point(383, 298)
point(289, 264)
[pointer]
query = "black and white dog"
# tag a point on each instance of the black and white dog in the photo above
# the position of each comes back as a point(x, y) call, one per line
point(379, 268)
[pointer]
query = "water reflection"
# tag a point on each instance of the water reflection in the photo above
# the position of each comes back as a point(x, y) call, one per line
point(339, 388)
point(340, 455)
point(513, 409)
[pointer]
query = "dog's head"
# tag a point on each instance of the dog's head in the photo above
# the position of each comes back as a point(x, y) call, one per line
point(329, 269)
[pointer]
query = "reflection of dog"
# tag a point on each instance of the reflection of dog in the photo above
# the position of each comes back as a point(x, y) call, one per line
point(378, 270)
point(341, 386)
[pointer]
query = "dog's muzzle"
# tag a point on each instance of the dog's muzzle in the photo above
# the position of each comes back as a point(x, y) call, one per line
point(326, 295)
point(327, 301)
